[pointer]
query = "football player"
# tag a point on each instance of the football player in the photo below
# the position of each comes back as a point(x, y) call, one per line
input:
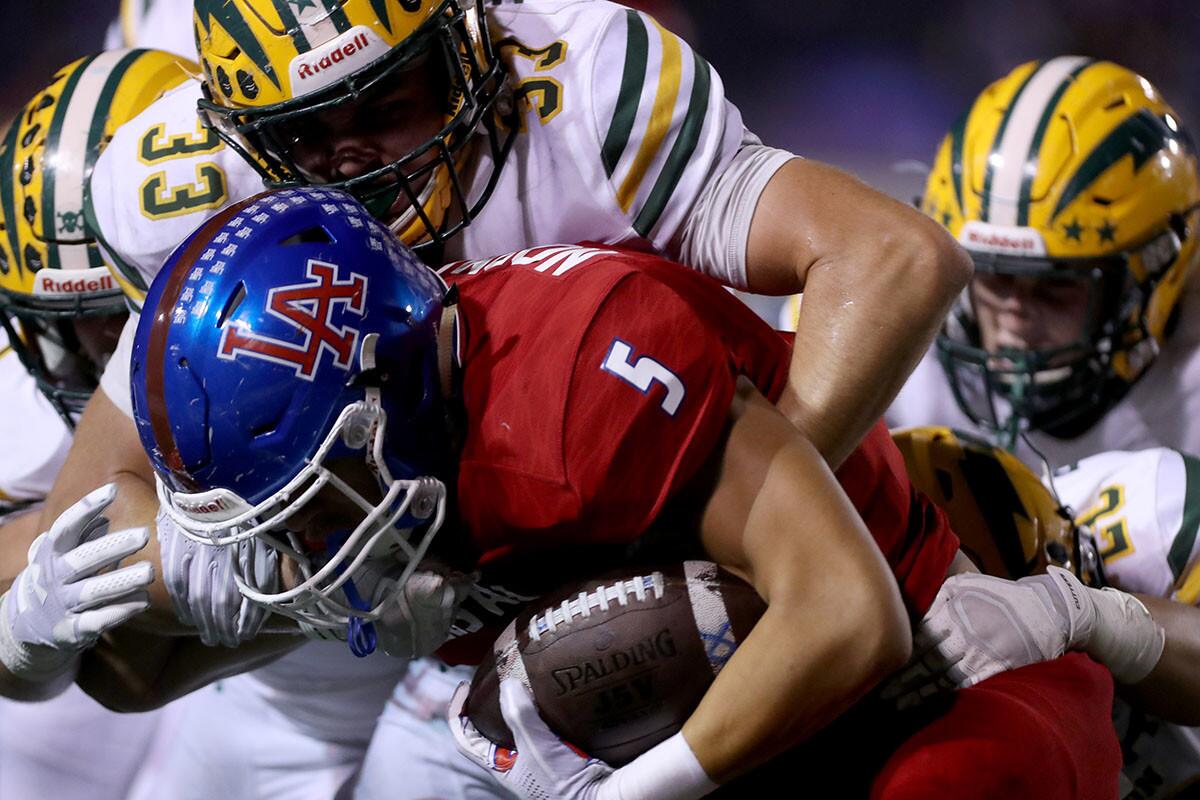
point(345, 389)
point(1138, 510)
point(1074, 186)
point(61, 311)
point(428, 109)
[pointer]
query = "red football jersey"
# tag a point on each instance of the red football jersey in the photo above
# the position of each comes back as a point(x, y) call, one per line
point(596, 383)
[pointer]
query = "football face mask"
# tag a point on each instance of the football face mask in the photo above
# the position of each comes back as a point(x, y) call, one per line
point(285, 387)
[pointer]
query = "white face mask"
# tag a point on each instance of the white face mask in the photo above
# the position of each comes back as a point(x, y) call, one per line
point(325, 595)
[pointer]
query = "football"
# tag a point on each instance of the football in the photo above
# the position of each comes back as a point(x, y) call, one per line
point(619, 662)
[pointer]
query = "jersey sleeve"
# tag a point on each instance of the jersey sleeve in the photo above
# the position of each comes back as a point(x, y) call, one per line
point(1143, 509)
point(161, 176)
point(663, 123)
point(648, 400)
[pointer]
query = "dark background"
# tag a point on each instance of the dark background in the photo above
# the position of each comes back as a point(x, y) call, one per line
point(868, 85)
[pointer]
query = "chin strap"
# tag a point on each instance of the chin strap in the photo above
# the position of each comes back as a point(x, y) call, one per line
point(360, 634)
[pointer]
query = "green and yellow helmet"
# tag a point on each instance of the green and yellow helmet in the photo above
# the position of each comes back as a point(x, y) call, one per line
point(52, 276)
point(269, 65)
point(1067, 170)
point(1008, 523)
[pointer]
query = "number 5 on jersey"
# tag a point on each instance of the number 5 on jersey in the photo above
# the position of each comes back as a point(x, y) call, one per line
point(643, 374)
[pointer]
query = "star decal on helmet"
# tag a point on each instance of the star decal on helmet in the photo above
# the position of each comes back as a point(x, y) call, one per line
point(302, 4)
point(226, 13)
point(1073, 230)
point(1107, 231)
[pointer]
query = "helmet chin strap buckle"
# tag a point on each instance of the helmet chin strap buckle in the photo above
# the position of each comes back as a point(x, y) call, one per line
point(360, 634)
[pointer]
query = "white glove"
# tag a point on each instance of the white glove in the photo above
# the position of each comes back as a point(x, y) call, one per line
point(59, 605)
point(544, 767)
point(979, 626)
point(204, 595)
point(417, 621)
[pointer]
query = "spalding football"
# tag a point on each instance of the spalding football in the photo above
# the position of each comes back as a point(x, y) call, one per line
point(618, 663)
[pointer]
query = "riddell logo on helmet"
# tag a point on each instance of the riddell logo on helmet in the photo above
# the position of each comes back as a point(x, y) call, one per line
point(214, 506)
point(88, 281)
point(981, 236)
point(310, 69)
point(343, 56)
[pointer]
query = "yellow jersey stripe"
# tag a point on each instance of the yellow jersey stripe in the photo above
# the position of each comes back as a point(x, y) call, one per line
point(669, 77)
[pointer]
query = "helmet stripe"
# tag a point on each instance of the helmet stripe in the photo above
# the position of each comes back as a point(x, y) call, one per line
point(49, 173)
point(156, 363)
point(292, 26)
point(8, 152)
point(226, 12)
point(957, 135)
point(381, 11)
point(100, 117)
point(337, 14)
point(1141, 135)
point(1035, 147)
point(1006, 164)
point(999, 503)
point(633, 77)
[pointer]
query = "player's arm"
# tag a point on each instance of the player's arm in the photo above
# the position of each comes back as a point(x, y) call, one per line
point(779, 516)
point(1172, 689)
point(878, 278)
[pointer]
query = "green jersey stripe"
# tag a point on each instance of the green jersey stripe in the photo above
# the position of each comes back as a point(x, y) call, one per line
point(633, 78)
point(681, 152)
point(53, 134)
point(292, 26)
point(128, 272)
point(1185, 538)
point(337, 15)
point(1035, 146)
point(8, 196)
point(987, 178)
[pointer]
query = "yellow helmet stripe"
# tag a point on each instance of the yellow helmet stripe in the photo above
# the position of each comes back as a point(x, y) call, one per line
point(1035, 147)
point(1141, 135)
point(1010, 151)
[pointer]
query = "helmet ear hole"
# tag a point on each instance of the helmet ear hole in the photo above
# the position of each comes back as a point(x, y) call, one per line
point(314, 235)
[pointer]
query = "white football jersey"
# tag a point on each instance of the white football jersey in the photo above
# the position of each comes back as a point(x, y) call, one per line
point(606, 154)
point(34, 436)
point(157, 24)
point(1150, 415)
point(1144, 509)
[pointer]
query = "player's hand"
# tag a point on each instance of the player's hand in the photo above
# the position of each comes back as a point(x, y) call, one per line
point(60, 603)
point(979, 626)
point(544, 766)
point(199, 579)
point(417, 620)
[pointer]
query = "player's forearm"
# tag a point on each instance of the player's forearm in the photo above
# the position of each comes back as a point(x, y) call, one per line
point(1172, 690)
point(779, 688)
point(133, 671)
point(49, 687)
point(15, 537)
point(779, 518)
point(877, 277)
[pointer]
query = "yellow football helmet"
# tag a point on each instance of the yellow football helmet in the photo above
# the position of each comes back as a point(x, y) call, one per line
point(52, 276)
point(1073, 175)
point(1008, 522)
point(272, 66)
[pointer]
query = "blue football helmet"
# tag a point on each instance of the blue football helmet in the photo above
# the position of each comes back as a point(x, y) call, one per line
point(290, 331)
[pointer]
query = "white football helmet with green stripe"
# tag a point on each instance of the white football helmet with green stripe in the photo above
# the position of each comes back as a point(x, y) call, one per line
point(53, 280)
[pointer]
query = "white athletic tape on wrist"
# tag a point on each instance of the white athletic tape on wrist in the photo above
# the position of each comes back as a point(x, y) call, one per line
point(1126, 639)
point(667, 771)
